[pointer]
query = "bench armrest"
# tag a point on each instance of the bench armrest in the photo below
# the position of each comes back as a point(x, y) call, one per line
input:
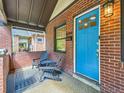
point(36, 59)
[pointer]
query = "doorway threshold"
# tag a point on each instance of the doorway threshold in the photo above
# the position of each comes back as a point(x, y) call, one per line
point(87, 81)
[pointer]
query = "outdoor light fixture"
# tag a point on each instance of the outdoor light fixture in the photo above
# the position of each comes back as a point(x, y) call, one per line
point(108, 8)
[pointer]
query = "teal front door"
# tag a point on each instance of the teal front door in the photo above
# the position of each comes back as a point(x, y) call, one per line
point(87, 44)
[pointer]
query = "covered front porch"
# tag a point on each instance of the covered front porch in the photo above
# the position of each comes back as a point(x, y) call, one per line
point(86, 34)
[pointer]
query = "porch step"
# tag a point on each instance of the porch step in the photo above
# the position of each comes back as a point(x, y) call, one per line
point(24, 83)
point(24, 79)
point(10, 84)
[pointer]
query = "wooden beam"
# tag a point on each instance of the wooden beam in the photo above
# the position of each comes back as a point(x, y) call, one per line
point(12, 23)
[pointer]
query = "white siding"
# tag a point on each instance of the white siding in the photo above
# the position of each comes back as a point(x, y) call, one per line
point(61, 5)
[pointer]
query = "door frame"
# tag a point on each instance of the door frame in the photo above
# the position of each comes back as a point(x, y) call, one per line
point(74, 43)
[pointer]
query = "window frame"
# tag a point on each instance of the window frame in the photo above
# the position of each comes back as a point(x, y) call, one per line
point(30, 30)
point(55, 43)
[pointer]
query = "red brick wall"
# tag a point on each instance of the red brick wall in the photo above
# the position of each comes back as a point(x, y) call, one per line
point(4, 70)
point(24, 59)
point(20, 60)
point(1, 75)
point(112, 70)
point(5, 38)
point(67, 17)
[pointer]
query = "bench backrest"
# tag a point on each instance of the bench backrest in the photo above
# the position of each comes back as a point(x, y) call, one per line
point(44, 55)
point(58, 58)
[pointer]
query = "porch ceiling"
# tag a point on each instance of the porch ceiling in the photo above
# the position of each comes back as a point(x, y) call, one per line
point(34, 13)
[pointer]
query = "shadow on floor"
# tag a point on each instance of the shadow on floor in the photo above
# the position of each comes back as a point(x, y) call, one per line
point(28, 82)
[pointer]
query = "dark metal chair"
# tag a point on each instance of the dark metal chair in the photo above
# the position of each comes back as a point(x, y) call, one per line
point(36, 62)
point(51, 69)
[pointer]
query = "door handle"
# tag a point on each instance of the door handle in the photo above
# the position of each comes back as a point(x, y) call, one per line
point(97, 52)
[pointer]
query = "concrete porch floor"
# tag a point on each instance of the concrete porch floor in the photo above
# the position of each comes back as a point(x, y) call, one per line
point(27, 81)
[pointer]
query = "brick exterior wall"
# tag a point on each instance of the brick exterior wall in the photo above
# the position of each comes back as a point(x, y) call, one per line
point(24, 59)
point(20, 60)
point(67, 16)
point(5, 38)
point(112, 70)
point(1, 76)
point(4, 70)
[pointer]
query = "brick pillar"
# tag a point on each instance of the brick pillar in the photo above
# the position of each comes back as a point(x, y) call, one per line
point(1, 76)
point(5, 38)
